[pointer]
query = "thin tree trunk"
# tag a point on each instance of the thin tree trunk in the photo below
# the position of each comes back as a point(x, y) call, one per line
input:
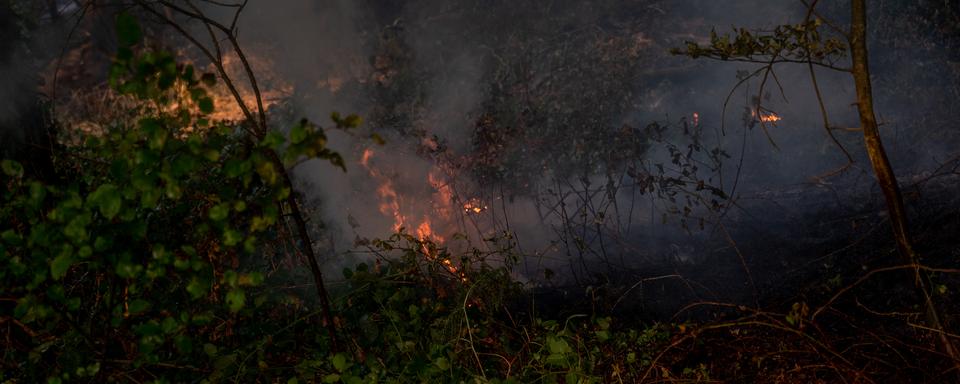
point(882, 169)
point(307, 247)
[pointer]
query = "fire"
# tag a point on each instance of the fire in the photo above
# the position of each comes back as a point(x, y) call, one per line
point(273, 89)
point(769, 118)
point(365, 159)
point(474, 205)
point(391, 204)
point(425, 232)
point(766, 116)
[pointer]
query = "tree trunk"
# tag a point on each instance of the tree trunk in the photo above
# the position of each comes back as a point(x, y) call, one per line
point(882, 169)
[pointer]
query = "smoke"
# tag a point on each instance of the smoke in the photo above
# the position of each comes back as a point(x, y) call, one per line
point(453, 84)
point(572, 127)
point(30, 38)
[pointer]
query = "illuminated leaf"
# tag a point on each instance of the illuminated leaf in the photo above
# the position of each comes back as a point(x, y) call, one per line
point(298, 133)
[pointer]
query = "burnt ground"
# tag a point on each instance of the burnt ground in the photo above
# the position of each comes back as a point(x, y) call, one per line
point(803, 247)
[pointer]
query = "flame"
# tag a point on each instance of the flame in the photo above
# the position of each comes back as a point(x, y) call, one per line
point(770, 118)
point(425, 232)
point(767, 117)
point(391, 204)
point(365, 159)
point(273, 89)
point(474, 205)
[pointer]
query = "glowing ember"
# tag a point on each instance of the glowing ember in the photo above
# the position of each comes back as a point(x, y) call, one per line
point(273, 88)
point(474, 205)
point(365, 160)
point(767, 117)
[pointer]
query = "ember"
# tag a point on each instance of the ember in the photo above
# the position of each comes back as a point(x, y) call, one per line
point(767, 116)
point(474, 205)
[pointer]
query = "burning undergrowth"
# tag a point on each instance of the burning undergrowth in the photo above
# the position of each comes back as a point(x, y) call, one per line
point(564, 158)
point(543, 133)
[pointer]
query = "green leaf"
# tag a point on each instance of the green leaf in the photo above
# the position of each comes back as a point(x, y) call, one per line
point(208, 79)
point(219, 212)
point(37, 193)
point(149, 198)
point(197, 288)
point(273, 140)
point(298, 133)
point(339, 361)
point(353, 121)
point(11, 168)
point(557, 345)
point(233, 167)
point(108, 199)
point(442, 363)
point(169, 325)
point(128, 29)
point(210, 349)
point(232, 237)
point(268, 172)
point(11, 237)
point(183, 164)
point(76, 229)
point(206, 105)
point(60, 265)
point(236, 299)
point(183, 343)
point(138, 306)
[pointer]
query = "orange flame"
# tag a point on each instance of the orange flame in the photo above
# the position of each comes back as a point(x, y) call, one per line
point(474, 205)
point(770, 118)
point(365, 159)
point(390, 206)
point(767, 117)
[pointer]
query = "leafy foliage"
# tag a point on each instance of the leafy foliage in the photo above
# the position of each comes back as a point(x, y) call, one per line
point(413, 318)
point(788, 42)
point(133, 266)
point(133, 258)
